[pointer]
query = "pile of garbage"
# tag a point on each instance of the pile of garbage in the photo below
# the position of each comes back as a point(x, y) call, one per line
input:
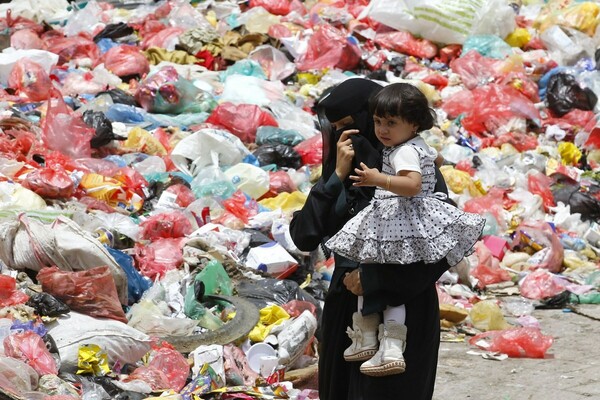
point(152, 154)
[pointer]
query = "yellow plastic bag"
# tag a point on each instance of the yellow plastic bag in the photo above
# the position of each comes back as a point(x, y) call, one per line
point(569, 153)
point(460, 181)
point(142, 141)
point(518, 38)
point(270, 316)
point(285, 201)
point(487, 316)
point(581, 16)
point(92, 360)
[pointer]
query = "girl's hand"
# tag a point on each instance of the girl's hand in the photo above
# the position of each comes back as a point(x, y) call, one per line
point(366, 176)
point(345, 154)
point(352, 282)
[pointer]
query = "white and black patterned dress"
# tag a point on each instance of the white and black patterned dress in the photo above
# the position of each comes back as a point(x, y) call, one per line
point(396, 229)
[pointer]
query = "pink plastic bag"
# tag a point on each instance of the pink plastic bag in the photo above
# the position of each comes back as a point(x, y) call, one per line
point(488, 269)
point(29, 78)
point(65, 132)
point(520, 342)
point(297, 307)
point(241, 119)
point(538, 183)
point(29, 347)
point(170, 362)
point(329, 47)
point(276, 7)
point(157, 379)
point(166, 225)
point(91, 292)
point(279, 182)
point(311, 150)
point(406, 43)
point(540, 236)
point(72, 48)
point(491, 203)
point(475, 69)
point(52, 183)
point(126, 60)
point(9, 295)
point(26, 39)
point(541, 284)
point(184, 194)
point(164, 39)
point(159, 257)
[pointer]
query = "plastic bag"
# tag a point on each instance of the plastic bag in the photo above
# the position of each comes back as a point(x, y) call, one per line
point(114, 31)
point(519, 342)
point(136, 283)
point(580, 201)
point(311, 150)
point(273, 61)
point(118, 96)
point(488, 46)
point(53, 183)
point(539, 184)
point(274, 135)
point(31, 79)
point(30, 348)
point(280, 182)
point(273, 291)
point(166, 92)
point(564, 94)
point(126, 61)
point(445, 22)
point(65, 132)
point(17, 377)
point(104, 131)
point(540, 284)
point(71, 48)
point(405, 43)
point(488, 269)
point(166, 225)
point(149, 317)
point(541, 238)
point(166, 38)
point(242, 120)
point(92, 292)
point(278, 154)
point(476, 70)
point(328, 47)
point(251, 180)
point(214, 279)
point(275, 7)
point(159, 257)
point(9, 295)
point(47, 305)
point(486, 315)
point(26, 39)
point(172, 364)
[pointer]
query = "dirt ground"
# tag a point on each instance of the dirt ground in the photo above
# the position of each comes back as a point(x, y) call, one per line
point(570, 370)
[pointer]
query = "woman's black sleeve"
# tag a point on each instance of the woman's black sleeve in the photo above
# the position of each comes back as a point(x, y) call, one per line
point(324, 212)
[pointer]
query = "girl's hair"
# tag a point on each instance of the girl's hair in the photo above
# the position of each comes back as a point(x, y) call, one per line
point(404, 101)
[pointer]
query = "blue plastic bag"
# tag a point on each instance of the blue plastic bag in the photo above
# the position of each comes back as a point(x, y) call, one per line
point(136, 283)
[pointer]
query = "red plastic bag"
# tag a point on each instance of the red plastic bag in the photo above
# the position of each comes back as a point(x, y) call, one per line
point(329, 47)
point(236, 205)
point(311, 150)
point(540, 237)
point(26, 39)
point(52, 183)
point(29, 347)
point(491, 203)
point(241, 119)
point(126, 60)
point(275, 7)
point(166, 225)
point(520, 141)
point(92, 292)
point(475, 69)
point(541, 284)
point(488, 269)
point(65, 132)
point(538, 183)
point(72, 48)
point(159, 257)
point(184, 195)
point(9, 295)
point(29, 78)
point(157, 379)
point(164, 38)
point(19, 23)
point(170, 362)
point(297, 307)
point(519, 342)
point(406, 43)
point(279, 182)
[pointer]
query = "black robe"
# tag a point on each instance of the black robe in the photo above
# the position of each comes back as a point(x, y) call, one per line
point(326, 210)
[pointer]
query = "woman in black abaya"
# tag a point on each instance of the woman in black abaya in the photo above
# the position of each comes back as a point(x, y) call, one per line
point(331, 203)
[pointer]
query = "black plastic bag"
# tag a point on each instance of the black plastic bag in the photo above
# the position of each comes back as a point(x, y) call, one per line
point(120, 97)
point(47, 305)
point(564, 94)
point(278, 154)
point(581, 202)
point(104, 132)
point(114, 31)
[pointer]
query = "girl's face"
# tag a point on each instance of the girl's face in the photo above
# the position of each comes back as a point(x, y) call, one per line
point(392, 131)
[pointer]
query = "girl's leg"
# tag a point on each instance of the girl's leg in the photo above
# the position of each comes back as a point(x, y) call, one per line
point(363, 335)
point(395, 314)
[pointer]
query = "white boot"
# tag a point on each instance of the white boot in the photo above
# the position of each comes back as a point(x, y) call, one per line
point(364, 337)
point(389, 359)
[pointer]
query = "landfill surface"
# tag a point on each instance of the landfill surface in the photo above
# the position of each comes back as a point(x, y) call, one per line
point(152, 154)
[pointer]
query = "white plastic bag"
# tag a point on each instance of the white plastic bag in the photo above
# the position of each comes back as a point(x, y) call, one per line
point(242, 89)
point(445, 21)
point(253, 181)
point(273, 61)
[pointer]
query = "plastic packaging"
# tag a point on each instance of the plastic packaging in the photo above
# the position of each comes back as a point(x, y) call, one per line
point(53, 183)
point(540, 284)
point(47, 305)
point(126, 61)
point(136, 284)
point(172, 364)
point(328, 47)
point(519, 342)
point(31, 79)
point(311, 150)
point(29, 347)
point(539, 237)
point(405, 43)
point(104, 131)
point(487, 316)
point(159, 257)
point(92, 292)
point(564, 94)
point(251, 180)
point(9, 295)
point(242, 119)
point(166, 225)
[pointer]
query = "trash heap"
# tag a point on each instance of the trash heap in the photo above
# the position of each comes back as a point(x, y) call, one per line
point(152, 154)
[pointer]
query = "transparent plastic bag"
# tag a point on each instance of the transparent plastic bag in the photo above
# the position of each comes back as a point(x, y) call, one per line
point(488, 269)
point(53, 183)
point(29, 347)
point(126, 61)
point(166, 225)
point(31, 79)
point(242, 119)
point(405, 43)
point(328, 47)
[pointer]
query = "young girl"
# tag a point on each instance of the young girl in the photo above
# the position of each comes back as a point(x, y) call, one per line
point(405, 222)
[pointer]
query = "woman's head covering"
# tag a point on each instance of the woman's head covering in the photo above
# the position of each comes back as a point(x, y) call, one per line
point(349, 98)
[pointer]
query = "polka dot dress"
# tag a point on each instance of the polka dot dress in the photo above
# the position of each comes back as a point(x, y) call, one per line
point(395, 229)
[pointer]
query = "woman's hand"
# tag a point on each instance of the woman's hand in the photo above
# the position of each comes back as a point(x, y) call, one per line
point(352, 282)
point(345, 154)
point(366, 176)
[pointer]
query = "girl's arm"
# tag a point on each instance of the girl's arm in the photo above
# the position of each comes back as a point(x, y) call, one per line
point(406, 183)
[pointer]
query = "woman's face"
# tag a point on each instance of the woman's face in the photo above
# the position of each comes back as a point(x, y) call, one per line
point(339, 125)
